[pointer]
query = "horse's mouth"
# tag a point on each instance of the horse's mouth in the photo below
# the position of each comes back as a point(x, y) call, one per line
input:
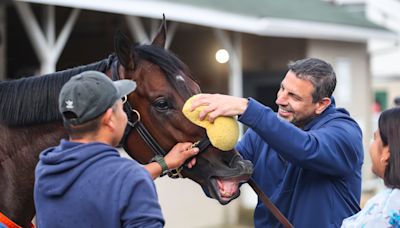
point(226, 189)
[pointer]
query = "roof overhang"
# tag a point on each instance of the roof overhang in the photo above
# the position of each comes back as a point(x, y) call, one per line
point(227, 21)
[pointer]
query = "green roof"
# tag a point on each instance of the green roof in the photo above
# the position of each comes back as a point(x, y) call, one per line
point(306, 10)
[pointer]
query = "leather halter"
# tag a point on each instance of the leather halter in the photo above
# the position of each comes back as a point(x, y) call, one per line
point(145, 134)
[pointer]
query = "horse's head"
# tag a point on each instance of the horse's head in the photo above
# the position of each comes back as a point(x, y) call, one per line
point(163, 85)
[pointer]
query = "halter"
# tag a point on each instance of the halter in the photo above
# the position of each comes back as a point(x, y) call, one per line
point(145, 134)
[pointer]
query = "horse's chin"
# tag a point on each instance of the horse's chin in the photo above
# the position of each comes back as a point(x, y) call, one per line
point(226, 189)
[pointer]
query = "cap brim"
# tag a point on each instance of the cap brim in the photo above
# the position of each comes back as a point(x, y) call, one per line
point(125, 87)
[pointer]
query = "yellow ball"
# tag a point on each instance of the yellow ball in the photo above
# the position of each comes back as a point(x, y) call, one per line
point(223, 133)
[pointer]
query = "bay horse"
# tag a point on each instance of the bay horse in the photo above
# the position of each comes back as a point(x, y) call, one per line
point(30, 122)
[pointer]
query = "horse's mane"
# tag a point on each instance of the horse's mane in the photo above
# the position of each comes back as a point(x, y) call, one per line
point(34, 100)
point(168, 63)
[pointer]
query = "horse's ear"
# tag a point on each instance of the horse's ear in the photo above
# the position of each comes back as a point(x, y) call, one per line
point(161, 36)
point(123, 49)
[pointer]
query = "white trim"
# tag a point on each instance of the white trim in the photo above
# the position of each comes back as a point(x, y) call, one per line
point(46, 47)
point(33, 29)
point(49, 24)
point(227, 21)
point(137, 29)
point(65, 33)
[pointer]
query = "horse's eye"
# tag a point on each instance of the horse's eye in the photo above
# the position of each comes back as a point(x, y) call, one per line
point(161, 104)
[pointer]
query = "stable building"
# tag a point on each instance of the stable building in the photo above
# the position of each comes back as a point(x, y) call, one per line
point(260, 36)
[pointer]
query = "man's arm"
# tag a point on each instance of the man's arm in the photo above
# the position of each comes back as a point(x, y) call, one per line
point(219, 105)
point(335, 149)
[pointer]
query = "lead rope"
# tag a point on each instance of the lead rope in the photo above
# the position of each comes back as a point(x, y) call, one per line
point(268, 203)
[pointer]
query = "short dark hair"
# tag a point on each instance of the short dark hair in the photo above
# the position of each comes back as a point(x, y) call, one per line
point(319, 73)
point(87, 128)
point(389, 122)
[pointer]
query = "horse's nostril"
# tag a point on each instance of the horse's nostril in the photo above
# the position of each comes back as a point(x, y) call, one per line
point(235, 161)
point(242, 165)
point(238, 163)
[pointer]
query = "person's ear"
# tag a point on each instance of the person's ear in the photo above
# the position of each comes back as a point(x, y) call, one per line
point(322, 105)
point(385, 154)
point(107, 119)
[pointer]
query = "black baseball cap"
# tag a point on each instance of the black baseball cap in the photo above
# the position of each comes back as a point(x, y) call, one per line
point(89, 94)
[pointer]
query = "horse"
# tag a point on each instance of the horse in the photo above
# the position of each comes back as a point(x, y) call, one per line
point(30, 122)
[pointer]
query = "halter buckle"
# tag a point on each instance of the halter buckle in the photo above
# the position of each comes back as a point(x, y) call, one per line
point(176, 173)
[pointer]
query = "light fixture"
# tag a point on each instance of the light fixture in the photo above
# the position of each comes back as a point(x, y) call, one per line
point(222, 56)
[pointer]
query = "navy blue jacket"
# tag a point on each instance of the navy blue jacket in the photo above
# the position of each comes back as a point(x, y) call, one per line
point(312, 175)
point(90, 185)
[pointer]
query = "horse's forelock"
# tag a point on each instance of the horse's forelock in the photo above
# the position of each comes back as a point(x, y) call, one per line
point(171, 65)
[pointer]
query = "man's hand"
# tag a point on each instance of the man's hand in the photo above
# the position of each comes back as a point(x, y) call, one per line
point(219, 105)
point(174, 159)
point(179, 154)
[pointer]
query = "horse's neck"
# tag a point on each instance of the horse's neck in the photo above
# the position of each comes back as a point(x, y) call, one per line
point(19, 149)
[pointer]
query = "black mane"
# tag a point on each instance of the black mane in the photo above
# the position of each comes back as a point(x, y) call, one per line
point(34, 100)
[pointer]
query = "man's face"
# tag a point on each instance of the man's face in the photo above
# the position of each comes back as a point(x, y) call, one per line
point(294, 100)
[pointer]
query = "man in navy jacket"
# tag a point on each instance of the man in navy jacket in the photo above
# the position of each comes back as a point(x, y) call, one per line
point(307, 157)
